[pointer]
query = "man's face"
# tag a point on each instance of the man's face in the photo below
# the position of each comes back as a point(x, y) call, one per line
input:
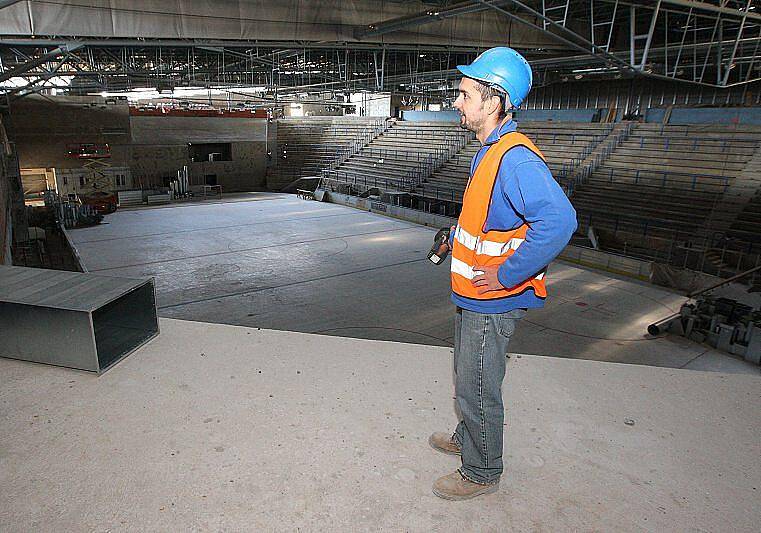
point(470, 105)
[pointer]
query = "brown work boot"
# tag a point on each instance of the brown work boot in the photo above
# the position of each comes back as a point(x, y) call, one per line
point(444, 443)
point(456, 487)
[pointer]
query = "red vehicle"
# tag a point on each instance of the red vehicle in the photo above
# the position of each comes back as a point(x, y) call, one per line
point(88, 150)
point(103, 202)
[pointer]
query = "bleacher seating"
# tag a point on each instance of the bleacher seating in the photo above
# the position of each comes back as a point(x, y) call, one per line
point(661, 184)
point(564, 146)
point(402, 156)
point(648, 190)
point(747, 227)
point(305, 146)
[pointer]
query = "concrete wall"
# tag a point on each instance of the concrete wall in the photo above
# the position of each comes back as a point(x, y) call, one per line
point(152, 148)
point(432, 116)
point(655, 115)
point(723, 115)
point(381, 208)
point(558, 115)
point(170, 130)
point(708, 115)
point(245, 172)
point(151, 164)
point(43, 129)
point(160, 149)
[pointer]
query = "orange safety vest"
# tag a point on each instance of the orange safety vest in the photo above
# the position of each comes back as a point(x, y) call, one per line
point(472, 245)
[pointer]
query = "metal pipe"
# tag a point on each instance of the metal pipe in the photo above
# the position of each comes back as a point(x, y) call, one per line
point(724, 282)
point(663, 325)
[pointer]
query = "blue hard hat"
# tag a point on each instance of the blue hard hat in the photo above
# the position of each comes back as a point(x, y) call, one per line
point(503, 68)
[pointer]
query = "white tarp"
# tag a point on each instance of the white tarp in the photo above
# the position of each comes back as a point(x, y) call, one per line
point(255, 20)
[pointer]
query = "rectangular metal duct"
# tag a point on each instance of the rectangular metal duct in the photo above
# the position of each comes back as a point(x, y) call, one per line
point(74, 319)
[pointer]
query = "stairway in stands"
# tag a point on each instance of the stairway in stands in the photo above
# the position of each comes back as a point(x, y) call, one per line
point(306, 146)
point(400, 158)
point(734, 214)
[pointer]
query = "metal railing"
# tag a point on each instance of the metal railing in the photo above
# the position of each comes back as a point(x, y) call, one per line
point(666, 143)
point(426, 162)
point(690, 130)
point(448, 194)
point(658, 241)
point(348, 177)
point(402, 154)
point(339, 154)
point(380, 127)
point(590, 139)
point(569, 167)
point(667, 177)
point(423, 162)
point(454, 140)
point(585, 173)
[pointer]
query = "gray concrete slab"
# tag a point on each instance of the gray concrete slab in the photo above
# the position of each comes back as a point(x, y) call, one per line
point(313, 267)
point(220, 428)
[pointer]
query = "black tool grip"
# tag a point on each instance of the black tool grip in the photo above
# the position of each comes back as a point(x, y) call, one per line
point(434, 256)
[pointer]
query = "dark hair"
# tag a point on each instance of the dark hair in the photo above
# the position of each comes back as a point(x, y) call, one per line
point(489, 91)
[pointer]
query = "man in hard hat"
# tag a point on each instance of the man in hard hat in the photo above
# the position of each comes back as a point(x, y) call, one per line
point(515, 220)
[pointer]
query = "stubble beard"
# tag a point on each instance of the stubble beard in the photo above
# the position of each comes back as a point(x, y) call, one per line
point(466, 125)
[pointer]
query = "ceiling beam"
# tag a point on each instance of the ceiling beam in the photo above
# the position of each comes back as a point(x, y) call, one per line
point(42, 78)
point(424, 17)
point(228, 44)
point(597, 52)
point(680, 7)
point(34, 63)
point(705, 6)
point(587, 47)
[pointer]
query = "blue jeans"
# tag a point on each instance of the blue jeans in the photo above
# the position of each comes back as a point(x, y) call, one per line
point(480, 353)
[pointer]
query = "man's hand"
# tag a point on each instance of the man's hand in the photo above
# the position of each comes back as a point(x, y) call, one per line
point(487, 281)
point(444, 248)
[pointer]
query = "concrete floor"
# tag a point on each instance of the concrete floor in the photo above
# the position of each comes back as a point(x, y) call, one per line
point(219, 428)
point(275, 261)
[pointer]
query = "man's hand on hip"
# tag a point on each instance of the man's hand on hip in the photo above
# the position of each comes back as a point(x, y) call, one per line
point(488, 280)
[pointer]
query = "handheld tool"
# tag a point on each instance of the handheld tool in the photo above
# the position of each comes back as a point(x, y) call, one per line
point(435, 256)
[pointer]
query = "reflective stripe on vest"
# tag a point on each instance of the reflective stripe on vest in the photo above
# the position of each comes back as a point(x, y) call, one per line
point(466, 271)
point(473, 247)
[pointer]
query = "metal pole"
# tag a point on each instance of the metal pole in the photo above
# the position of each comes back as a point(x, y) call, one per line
point(650, 35)
point(737, 40)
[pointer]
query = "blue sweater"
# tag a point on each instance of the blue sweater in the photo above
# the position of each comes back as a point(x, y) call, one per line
point(525, 193)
